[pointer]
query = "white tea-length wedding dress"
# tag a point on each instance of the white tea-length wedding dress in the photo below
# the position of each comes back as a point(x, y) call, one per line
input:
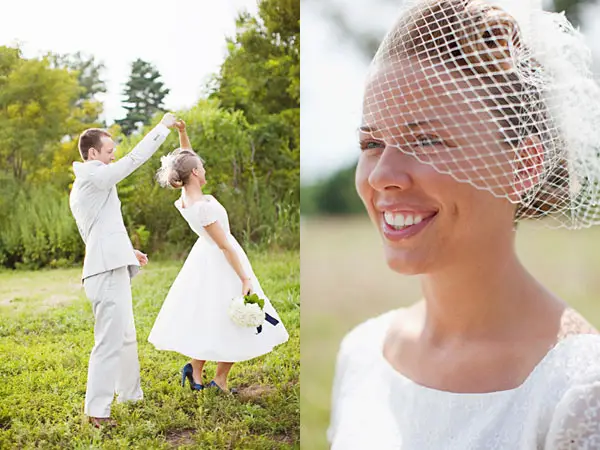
point(194, 320)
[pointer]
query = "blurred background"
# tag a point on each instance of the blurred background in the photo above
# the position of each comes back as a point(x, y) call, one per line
point(344, 277)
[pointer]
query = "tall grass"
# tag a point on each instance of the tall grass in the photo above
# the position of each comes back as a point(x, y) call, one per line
point(36, 228)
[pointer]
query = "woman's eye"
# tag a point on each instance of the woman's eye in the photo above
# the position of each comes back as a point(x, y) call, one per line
point(368, 145)
point(428, 141)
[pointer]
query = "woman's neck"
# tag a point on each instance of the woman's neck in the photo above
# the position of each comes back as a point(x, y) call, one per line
point(193, 192)
point(485, 295)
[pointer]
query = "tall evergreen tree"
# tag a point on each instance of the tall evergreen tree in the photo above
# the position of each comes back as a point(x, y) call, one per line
point(144, 93)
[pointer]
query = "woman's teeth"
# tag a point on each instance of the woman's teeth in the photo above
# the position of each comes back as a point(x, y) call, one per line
point(402, 220)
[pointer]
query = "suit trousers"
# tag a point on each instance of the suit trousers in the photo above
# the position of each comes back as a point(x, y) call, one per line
point(114, 366)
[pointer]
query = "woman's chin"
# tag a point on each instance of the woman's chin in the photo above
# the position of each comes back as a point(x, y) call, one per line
point(405, 264)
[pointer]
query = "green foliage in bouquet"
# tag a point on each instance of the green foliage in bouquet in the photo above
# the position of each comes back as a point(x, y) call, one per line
point(253, 298)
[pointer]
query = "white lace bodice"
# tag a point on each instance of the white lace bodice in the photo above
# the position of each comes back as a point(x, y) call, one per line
point(203, 213)
point(376, 407)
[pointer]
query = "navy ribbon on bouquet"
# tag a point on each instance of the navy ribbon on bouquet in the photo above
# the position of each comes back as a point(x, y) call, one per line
point(272, 320)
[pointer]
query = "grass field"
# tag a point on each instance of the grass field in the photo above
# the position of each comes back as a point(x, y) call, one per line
point(46, 334)
point(345, 280)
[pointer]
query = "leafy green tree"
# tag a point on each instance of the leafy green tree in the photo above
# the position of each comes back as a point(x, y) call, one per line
point(261, 72)
point(261, 78)
point(41, 113)
point(224, 140)
point(36, 103)
point(89, 72)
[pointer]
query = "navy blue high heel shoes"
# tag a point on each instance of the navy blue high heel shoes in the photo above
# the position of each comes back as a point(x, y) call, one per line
point(187, 372)
point(212, 384)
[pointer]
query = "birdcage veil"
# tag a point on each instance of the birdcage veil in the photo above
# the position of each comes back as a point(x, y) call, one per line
point(498, 94)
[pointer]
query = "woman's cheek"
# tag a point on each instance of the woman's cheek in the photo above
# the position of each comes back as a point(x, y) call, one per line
point(363, 170)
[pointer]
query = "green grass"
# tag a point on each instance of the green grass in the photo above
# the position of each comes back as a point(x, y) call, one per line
point(345, 280)
point(46, 334)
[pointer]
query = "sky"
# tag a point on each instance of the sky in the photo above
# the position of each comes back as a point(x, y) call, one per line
point(185, 39)
point(333, 75)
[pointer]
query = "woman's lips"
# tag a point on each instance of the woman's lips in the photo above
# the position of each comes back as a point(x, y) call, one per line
point(400, 225)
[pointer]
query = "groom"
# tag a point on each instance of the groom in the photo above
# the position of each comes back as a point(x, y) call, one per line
point(110, 262)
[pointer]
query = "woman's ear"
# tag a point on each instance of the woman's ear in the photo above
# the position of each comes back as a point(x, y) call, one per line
point(529, 164)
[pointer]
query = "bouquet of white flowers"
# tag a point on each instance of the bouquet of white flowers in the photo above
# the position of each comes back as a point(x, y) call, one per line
point(247, 311)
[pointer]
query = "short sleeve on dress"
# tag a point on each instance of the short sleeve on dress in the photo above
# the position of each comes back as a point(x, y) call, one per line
point(576, 421)
point(355, 350)
point(207, 214)
point(340, 369)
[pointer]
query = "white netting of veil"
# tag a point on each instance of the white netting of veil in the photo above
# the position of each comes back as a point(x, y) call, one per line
point(167, 163)
point(498, 94)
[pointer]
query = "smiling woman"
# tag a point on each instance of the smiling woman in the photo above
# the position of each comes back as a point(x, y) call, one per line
point(474, 117)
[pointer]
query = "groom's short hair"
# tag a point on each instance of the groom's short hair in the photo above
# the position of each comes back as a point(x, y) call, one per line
point(92, 137)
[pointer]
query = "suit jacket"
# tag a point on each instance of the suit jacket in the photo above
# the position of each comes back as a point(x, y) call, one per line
point(97, 209)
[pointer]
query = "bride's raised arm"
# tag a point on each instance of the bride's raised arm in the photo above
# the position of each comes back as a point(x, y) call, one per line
point(184, 140)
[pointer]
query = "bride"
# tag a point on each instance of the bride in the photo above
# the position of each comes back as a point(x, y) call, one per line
point(194, 320)
point(474, 117)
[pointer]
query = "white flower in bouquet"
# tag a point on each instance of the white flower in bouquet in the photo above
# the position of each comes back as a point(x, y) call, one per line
point(247, 311)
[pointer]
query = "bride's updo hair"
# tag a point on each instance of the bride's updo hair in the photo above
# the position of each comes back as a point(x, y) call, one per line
point(176, 168)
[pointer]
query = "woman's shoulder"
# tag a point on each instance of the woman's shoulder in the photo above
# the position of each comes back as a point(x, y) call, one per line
point(360, 348)
point(577, 353)
point(201, 212)
point(571, 365)
point(573, 380)
point(202, 207)
point(367, 337)
point(573, 323)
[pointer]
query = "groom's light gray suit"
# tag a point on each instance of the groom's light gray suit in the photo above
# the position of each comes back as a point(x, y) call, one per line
point(109, 264)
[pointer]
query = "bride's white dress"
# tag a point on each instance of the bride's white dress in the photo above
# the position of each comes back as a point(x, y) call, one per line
point(376, 407)
point(194, 320)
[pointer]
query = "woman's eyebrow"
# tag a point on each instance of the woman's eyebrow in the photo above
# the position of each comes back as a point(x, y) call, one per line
point(367, 129)
point(409, 125)
point(420, 123)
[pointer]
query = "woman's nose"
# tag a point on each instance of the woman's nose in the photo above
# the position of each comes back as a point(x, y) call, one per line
point(392, 170)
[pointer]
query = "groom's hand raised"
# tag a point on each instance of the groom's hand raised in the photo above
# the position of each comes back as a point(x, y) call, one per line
point(169, 120)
